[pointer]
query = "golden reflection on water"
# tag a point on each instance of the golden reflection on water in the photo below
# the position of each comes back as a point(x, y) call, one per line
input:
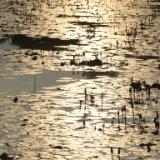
point(57, 121)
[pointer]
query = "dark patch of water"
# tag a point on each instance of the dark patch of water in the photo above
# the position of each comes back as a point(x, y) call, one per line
point(143, 57)
point(6, 44)
point(36, 43)
point(92, 75)
point(31, 83)
point(86, 23)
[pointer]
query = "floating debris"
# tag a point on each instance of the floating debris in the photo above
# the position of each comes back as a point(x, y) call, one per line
point(95, 62)
point(15, 99)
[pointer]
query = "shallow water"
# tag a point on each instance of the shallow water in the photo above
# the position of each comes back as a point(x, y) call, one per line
point(34, 82)
point(51, 118)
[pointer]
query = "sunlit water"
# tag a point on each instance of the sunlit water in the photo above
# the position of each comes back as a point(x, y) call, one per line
point(50, 119)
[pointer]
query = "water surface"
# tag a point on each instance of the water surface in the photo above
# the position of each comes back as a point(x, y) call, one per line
point(51, 118)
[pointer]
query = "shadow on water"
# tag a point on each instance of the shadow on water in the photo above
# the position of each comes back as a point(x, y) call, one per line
point(6, 44)
point(86, 23)
point(93, 75)
point(35, 82)
point(36, 43)
point(142, 57)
